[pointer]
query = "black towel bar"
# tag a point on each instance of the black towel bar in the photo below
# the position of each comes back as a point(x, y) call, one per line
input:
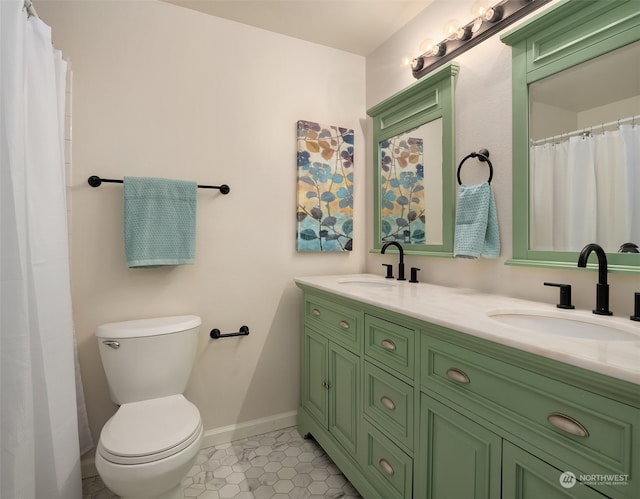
point(215, 333)
point(95, 181)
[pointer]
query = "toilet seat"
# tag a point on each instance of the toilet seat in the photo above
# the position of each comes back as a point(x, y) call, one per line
point(150, 430)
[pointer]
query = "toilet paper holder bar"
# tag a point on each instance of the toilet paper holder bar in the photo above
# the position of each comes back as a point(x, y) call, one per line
point(215, 333)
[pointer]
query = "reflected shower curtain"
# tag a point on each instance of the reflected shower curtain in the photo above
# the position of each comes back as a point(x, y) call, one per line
point(38, 424)
point(585, 190)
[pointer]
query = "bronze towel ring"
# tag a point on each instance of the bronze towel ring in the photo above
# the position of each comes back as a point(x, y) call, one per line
point(482, 155)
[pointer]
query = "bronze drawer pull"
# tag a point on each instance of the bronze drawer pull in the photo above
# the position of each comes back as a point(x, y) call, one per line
point(388, 345)
point(344, 325)
point(458, 376)
point(386, 467)
point(568, 424)
point(315, 312)
point(387, 402)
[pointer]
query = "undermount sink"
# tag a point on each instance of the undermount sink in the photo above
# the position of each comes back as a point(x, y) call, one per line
point(367, 282)
point(575, 327)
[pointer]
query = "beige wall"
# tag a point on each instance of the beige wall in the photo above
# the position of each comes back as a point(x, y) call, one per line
point(483, 120)
point(164, 91)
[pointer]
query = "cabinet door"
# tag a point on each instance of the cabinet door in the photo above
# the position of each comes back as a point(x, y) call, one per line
point(314, 382)
point(344, 378)
point(456, 457)
point(527, 477)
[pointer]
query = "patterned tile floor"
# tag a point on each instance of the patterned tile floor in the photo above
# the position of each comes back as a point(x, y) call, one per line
point(277, 465)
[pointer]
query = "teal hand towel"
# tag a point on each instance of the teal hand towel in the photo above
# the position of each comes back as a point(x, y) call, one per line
point(159, 221)
point(476, 229)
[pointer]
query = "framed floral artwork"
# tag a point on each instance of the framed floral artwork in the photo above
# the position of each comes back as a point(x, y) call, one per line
point(325, 187)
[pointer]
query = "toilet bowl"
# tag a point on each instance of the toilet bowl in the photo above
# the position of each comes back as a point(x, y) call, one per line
point(147, 447)
point(152, 441)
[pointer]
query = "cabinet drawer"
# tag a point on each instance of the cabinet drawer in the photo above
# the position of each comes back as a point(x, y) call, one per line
point(338, 322)
point(388, 402)
point(390, 344)
point(385, 465)
point(570, 424)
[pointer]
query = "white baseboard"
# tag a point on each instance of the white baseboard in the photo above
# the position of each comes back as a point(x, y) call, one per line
point(247, 429)
point(218, 436)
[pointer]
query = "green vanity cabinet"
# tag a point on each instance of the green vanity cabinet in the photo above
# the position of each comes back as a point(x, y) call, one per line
point(409, 409)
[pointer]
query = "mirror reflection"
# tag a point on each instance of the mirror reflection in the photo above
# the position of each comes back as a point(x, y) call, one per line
point(584, 166)
point(411, 186)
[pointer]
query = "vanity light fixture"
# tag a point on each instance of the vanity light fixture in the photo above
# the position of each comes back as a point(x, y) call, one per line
point(488, 20)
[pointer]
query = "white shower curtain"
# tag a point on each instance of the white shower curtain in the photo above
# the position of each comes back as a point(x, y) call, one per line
point(585, 189)
point(39, 447)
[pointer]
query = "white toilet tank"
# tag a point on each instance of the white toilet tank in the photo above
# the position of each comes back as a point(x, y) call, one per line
point(148, 358)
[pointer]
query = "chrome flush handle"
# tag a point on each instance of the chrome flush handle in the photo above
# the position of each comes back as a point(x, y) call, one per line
point(112, 343)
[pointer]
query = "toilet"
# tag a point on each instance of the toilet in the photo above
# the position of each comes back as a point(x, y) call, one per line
point(153, 440)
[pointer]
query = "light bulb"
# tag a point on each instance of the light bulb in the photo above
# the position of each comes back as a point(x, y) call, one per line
point(426, 46)
point(451, 29)
point(478, 9)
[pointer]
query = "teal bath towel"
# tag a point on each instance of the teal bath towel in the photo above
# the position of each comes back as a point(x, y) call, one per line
point(476, 230)
point(159, 221)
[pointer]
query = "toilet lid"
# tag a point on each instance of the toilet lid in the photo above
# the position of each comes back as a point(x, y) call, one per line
point(150, 430)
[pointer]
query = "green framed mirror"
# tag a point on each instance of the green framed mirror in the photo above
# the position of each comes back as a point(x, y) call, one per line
point(413, 166)
point(576, 126)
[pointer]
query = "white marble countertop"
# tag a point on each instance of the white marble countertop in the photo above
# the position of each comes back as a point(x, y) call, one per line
point(470, 312)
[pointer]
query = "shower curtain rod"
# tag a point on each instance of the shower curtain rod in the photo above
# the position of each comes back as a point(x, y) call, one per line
point(31, 10)
point(587, 131)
